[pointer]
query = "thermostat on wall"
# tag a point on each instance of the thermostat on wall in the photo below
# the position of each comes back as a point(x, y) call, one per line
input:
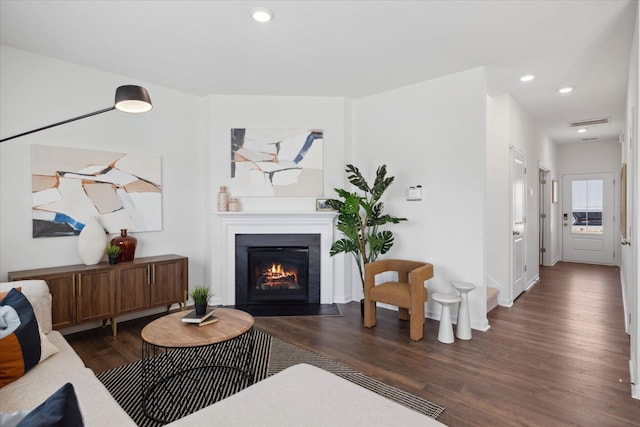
point(414, 193)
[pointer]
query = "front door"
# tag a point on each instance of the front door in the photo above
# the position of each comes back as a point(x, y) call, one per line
point(518, 201)
point(588, 218)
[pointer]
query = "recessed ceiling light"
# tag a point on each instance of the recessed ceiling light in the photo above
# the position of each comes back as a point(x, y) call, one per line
point(262, 14)
point(582, 130)
point(565, 89)
point(527, 78)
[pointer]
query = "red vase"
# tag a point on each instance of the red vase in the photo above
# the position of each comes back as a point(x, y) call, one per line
point(127, 246)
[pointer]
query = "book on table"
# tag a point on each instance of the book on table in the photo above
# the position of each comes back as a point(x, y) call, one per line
point(192, 317)
point(210, 320)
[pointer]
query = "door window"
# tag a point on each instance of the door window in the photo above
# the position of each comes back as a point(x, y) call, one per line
point(586, 206)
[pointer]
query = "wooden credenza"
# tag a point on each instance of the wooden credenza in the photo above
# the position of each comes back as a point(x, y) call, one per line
point(84, 293)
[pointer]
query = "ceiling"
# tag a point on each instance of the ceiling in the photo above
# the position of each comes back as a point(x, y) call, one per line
point(351, 48)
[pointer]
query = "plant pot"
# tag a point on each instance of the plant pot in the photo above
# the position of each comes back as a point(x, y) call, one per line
point(201, 309)
point(113, 260)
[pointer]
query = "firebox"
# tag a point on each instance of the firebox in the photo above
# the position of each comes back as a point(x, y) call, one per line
point(277, 269)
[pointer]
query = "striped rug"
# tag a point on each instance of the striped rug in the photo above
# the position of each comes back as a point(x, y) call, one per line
point(271, 355)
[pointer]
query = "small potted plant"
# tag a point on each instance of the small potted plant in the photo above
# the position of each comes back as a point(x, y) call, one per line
point(200, 296)
point(112, 253)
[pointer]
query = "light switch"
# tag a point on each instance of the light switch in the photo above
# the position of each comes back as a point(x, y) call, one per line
point(414, 193)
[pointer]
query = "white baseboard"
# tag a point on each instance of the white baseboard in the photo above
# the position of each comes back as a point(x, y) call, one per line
point(532, 282)
point(482, 326)
point(624, 302)
point(505, 302)
point(635, 390)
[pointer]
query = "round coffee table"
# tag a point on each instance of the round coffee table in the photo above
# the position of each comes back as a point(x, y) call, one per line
point(186, 367)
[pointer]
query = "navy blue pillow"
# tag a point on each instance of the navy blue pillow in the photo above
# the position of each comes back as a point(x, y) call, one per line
point(59, 410)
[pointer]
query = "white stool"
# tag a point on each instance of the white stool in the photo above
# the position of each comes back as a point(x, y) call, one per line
point(463, 328)
point(445, 332)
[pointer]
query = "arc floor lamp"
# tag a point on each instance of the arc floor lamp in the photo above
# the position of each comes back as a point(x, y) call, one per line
point(129, 99)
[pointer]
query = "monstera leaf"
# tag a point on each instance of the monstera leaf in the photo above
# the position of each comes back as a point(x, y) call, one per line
point(360, 216)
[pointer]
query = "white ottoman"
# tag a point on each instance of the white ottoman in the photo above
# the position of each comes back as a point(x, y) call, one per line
point(463, 327)
point(445, 332)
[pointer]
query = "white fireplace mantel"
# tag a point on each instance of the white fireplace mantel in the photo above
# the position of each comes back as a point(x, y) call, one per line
point(233, 223)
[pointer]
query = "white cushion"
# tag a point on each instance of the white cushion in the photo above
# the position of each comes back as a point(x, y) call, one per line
point(304, 395)
point(37, 292)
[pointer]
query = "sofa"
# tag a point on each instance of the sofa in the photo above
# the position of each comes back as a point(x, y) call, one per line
point(299, 395)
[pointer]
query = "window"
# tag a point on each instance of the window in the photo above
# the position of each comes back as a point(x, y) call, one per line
point(586, 206)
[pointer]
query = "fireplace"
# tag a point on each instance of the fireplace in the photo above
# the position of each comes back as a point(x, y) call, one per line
point(277, 269)
point(258, 223)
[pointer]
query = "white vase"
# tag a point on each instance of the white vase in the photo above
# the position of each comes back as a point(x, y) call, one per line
point(92, 242)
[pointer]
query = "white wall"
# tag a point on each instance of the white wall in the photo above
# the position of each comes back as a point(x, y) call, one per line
point(509, 125)
point(227, 112)
point(546, 156)
point(37, 91)
point(630, 255)
point(527, 137)
point(433, 134)
point(603, 156)
point(498, 208)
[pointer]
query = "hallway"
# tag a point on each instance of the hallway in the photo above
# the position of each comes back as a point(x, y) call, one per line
point(569, 331)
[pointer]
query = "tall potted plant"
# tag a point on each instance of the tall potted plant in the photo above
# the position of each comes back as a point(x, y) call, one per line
point(360, 217)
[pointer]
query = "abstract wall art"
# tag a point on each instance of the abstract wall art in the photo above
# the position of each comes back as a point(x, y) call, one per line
point(276, 162)
point(71, 186)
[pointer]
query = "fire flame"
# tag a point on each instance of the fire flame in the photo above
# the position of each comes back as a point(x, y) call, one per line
point(277, 271)
point(278, 277)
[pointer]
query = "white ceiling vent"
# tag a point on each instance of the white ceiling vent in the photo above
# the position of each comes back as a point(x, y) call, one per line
point(591, 122)
point(589, 139)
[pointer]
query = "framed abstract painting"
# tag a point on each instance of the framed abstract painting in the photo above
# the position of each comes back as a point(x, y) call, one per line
point(71, 186)
point(276, 162)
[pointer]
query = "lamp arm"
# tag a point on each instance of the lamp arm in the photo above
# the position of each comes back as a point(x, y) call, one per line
point(59, 123)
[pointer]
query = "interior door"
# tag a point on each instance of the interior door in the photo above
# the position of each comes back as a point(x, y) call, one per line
point(518, 201)
point(588, 230)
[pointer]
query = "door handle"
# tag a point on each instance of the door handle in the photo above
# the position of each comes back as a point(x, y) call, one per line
point(516, 233)
point(625, 242)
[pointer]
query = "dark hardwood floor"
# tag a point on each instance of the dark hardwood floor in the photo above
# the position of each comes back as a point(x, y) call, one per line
point(558, 357)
